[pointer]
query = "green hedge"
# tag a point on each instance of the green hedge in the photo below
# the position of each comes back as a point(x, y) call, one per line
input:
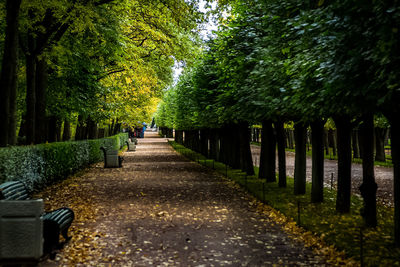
point(39, 165)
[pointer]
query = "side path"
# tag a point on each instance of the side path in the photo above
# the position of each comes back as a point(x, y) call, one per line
point(383, 175)
point(162, 210)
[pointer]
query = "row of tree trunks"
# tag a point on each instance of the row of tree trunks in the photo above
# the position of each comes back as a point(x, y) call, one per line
point(230, 145)
point(8, 76)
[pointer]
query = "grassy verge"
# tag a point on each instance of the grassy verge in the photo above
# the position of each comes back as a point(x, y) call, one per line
point(344, 232)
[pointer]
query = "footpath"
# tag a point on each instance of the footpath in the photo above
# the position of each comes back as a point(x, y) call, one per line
point(160, 209)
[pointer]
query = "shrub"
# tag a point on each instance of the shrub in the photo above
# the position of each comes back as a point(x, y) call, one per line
point(42, 164)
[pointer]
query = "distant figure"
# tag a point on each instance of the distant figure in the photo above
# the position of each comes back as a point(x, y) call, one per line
point(143, 129)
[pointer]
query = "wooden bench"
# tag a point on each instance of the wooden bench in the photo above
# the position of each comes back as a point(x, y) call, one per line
point(55, 222)
point(111, 158)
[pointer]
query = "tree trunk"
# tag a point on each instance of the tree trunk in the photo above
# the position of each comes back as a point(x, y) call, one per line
point(67, 131)
point(300, 159)
point(214, 144)
point(380, 144)
point(30, 91)
point(326, 142)
point(12, 115)
point(280, 137)
point(317, 188)
point(40, 103)
point(246, 160)
point(267, 155)
point(368, 187)
point(9, 69)
point(92, 128)
point(355, 144)
point(343, 126)
point(79, 133)
point(204, 142)
point(223, 146)
point(52, 129)
point(332, 135)
point(393, 118)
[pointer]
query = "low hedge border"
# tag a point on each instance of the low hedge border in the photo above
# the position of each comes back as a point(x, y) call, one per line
point(43, 164)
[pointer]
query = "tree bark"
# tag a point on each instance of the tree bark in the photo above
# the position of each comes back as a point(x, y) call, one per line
point(12, 115)
point(92, 128)
point(380, 144)
point(9, 69)
point(30, 91)
point(368, 187)
point(317, 140)
point(267, 155)
point(300, 159)
point(40, 102)
point(52, 129)
point(246, 160)
point(204, 133)
point(214, 144)
point(326, 142)
point(355, 144)
point(280, 137)
point(343, 126)
point(67, 131)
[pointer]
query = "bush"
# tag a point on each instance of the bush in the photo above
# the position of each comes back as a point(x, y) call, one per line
point(43, 164)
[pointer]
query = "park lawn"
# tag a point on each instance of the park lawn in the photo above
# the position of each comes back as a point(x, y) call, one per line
point(343, 231)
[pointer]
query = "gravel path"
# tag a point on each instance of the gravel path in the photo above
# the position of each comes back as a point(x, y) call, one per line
point(383, 175)
point(162, 210)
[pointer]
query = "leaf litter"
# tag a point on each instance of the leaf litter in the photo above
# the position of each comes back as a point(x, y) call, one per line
point(162, 210)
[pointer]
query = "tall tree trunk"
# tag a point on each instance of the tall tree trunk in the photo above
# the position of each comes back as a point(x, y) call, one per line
point(30, 91)
point(393, 118)
point(380, 144)
point(368, 187)
point(12, 115)
point(343, 126)
point(52, 129)
point(214, 144)
point(92, 128)
point(355, 144)
point(326, 142)
point(300, 159)
point(66, 136)
point(280, 137)
point(223, 146)
point(204, 133)
point(332, 135)
point(9, 68)
point(40, 103)
point(246, 160)
point(317, 140)
point(268, 152)
point(80, 131)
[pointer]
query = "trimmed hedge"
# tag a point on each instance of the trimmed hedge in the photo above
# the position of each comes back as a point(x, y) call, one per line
point(39, 165)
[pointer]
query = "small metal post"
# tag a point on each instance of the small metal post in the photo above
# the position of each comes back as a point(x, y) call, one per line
point(298, 212)
point(361, 248)
point(245, 180)
point(331, 180)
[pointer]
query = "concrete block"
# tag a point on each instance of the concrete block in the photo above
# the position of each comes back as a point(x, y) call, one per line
point(21, 230)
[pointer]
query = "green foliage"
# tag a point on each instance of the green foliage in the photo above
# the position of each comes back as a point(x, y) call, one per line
point(43, 164)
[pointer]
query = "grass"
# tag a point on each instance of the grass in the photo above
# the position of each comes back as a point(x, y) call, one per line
point(343, 231)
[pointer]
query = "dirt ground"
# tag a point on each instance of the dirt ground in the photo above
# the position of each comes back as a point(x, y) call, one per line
point(162, 210)
point(383, 175)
